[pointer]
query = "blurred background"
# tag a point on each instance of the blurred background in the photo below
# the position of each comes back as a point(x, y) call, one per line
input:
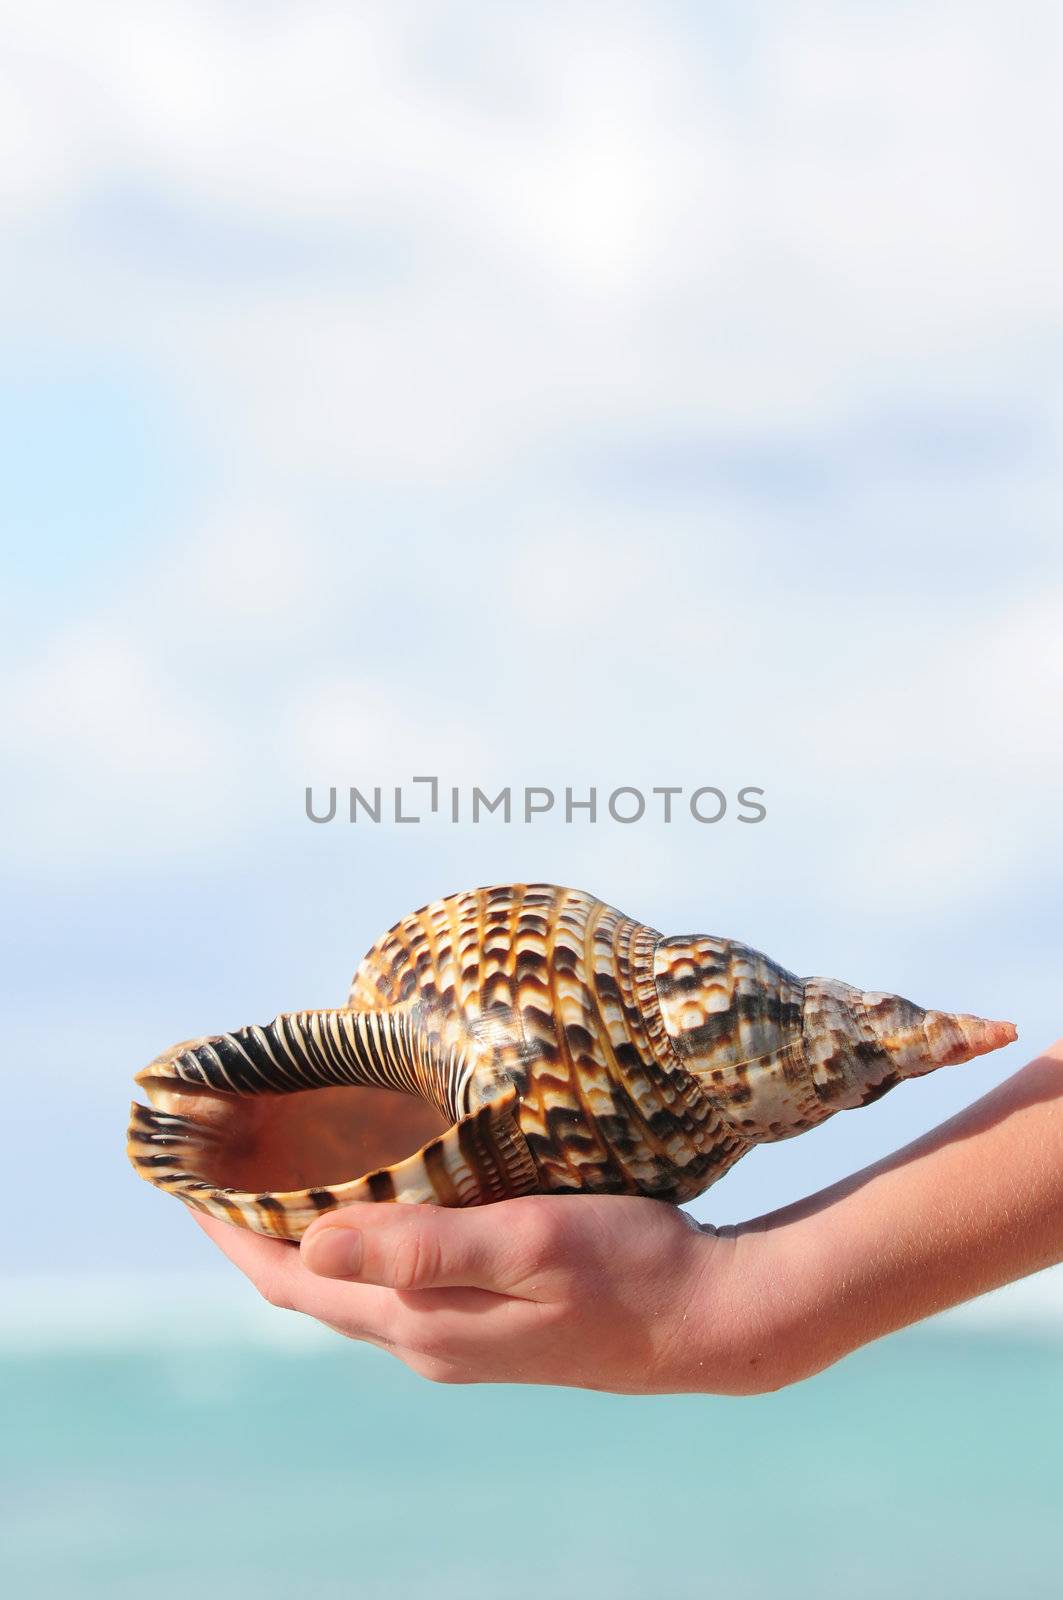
point(558, 395)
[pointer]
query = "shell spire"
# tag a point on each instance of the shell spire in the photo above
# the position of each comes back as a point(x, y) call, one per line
point(860, 1043)
point(518, 1039)
point(923, 1040)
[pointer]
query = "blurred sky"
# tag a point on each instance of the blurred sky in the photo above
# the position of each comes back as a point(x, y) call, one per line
point(627, 394)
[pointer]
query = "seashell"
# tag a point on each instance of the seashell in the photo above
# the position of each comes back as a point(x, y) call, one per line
point(524, 1039)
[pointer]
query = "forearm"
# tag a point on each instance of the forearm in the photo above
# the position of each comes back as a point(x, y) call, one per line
point(973, 1205)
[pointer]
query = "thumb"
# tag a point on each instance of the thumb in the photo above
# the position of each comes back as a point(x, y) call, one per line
point(408, 1247)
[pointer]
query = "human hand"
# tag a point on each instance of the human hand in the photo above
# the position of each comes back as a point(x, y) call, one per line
point(599, 1292)
point(630, 1295)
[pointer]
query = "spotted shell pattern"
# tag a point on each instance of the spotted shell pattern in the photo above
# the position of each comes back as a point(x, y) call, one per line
point(568, 1048)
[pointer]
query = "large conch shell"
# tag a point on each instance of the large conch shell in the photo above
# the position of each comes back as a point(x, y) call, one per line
point(538, 1041)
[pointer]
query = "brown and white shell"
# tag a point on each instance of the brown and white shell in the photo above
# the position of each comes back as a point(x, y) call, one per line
point(524, 1039)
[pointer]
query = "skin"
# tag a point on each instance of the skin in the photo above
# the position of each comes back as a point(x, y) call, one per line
point(632, 1296)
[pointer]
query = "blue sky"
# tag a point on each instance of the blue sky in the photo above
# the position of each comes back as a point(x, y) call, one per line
point(555, 395)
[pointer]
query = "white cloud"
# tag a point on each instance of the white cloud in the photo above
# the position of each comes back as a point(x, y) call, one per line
point(93, 701)
point(901, 740)
point(767, 230)
point(958, 756)
point(643, 221)
point(363, 731)
point(243, 575)
point(138, 733)
point(106, 759)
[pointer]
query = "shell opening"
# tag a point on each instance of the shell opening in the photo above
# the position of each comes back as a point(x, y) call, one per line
point(307, 1139)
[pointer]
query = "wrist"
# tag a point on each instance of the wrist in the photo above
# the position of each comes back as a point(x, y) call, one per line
point(749, 1327)
point(789, 1284)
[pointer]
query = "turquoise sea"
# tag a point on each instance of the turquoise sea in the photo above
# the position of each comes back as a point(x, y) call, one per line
point(929, 1465)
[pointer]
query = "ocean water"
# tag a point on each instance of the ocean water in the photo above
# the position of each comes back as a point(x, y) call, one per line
point(928, 1465)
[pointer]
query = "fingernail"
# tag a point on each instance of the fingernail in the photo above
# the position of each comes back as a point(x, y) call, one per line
point(335, 1253)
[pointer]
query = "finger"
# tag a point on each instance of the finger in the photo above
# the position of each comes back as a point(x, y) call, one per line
point(502, 1248)
point(261, 1260)
point(356, 1310)
point(451, 1335)
point(470, 1334)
